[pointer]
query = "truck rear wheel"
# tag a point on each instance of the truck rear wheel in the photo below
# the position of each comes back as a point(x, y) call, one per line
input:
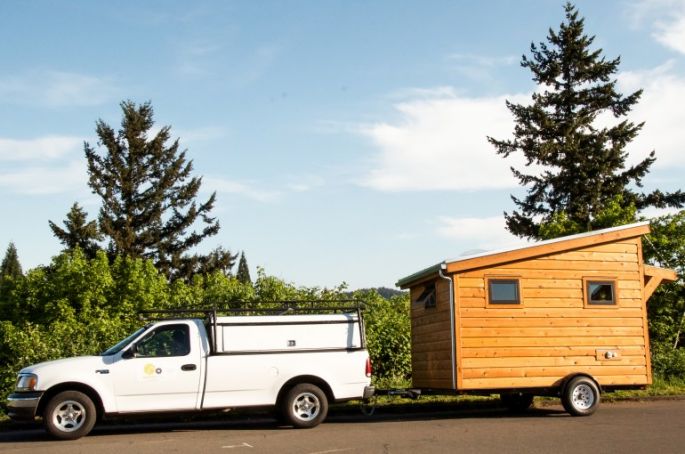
point(305, 406)
point(69, 415)
point(580, 396)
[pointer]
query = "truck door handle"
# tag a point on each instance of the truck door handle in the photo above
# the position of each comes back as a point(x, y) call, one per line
point(188, 367)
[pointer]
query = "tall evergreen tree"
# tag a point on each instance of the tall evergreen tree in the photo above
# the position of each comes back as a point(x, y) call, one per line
point(10, 267)
point(582, 163)
point(219, 259)
point(148, 194)
point(243, 274)
point(78, 232)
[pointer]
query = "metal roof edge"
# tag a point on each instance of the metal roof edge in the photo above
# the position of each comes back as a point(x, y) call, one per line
point(421, 274)
point(552, 241)
point(443, 265)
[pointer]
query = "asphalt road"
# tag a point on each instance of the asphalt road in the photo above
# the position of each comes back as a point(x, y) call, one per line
point(627, 428)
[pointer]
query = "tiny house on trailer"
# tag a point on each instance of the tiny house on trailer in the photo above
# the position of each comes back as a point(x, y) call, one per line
point(565, 317)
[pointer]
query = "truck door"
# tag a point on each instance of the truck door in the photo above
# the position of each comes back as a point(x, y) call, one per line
point(160, 371)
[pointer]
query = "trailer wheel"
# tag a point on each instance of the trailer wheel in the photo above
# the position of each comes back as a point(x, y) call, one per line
point(305, 406)
point(516, 402)
point(69, 415)
point(580, 396)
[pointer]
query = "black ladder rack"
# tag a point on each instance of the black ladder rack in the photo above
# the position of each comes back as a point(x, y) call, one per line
point(283, 307)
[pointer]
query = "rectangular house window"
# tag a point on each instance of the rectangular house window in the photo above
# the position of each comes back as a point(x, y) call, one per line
point(427, 297)
point(503, 291)
point(600, 292)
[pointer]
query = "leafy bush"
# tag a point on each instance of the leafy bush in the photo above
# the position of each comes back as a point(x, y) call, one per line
point(388, 331)
point(667, 362)
point(80, 306)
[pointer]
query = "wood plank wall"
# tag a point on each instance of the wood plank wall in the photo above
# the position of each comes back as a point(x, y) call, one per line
point(431, 341)
point(552, 333)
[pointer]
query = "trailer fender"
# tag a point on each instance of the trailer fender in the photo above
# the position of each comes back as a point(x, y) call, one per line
point(565, 381)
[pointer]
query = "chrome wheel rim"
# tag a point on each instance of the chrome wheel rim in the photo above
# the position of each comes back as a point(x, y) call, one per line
point(69, 416)
point(306, 406)
point(583, 397)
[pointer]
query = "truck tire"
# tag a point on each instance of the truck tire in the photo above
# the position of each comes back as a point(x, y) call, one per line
point(69, 415)
point(580, 396)
point(516, 402)
point(305, 406)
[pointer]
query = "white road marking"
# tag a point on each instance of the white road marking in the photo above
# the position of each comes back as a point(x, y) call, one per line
point(331, 450)
point(243, 445)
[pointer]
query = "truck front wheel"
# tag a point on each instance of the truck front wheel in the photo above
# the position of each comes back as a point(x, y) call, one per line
point(69, 415)
point(305, 406)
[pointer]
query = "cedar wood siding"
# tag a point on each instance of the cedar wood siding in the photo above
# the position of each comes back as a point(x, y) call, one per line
point(431, 344)
point(551, 333)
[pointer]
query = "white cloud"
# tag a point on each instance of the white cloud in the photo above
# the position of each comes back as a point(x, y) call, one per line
point(42, 165)
point(440, 143)
point(484, 60)
point(222, 185)
point(661, 110)
point(42, 148)
point(481, 68)
point(202, 134)
point(195, 59)
point(405, 236)
point(56, 89)
point(488, 233)
point(669, 23)
point(443, 91)
point(652, 212)
point(305, 183)
point(41, 180)
point(672, 34)
point(666, 17)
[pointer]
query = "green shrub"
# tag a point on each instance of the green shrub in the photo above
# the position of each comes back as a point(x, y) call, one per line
point(388, 333)
point(80, 306)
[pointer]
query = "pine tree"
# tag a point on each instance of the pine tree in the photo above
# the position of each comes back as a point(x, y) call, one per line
point(148, 194)
point(582, 164)
point(219, 259)
point(10, 267)
point(243, 274)
point(78, 232)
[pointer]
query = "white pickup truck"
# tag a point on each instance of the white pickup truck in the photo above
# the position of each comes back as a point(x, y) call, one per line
point(295, 363)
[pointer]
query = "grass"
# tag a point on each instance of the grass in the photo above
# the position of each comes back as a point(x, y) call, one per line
point(660, 388)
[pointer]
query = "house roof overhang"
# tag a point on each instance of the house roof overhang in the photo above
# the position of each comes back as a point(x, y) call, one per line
point(526, 252)
point(655, 276)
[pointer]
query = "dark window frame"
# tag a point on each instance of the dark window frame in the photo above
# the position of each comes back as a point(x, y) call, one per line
point(515, 280)
point(428, 297)
point(587, 298)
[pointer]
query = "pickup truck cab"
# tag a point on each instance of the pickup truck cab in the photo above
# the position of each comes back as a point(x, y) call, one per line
point(295, 363)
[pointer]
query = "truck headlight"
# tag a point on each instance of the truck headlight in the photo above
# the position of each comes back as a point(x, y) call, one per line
point(26, 382)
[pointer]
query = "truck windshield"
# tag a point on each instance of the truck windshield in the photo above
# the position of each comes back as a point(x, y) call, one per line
point(121, 344)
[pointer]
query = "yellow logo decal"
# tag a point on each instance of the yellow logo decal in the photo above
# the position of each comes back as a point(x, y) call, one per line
point(149, 369)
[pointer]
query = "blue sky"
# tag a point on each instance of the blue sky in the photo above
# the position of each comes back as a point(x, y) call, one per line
point(345, 139)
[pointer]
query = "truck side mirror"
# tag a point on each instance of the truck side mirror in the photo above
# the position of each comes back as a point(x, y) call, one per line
point(130, 353)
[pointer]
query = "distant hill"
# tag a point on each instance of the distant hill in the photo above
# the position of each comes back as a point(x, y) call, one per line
point(385, 292)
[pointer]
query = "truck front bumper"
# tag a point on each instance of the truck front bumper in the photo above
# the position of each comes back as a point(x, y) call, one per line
point(23, 406)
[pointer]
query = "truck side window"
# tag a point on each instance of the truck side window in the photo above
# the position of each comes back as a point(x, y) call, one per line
point(168, 340)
